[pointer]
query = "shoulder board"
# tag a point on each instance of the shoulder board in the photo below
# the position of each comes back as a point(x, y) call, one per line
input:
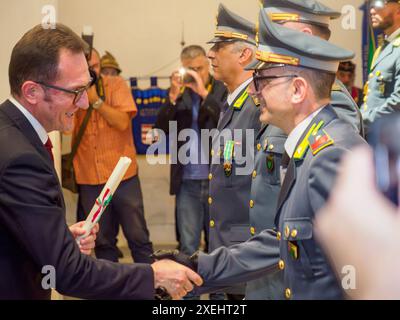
point(319, 140)
point(396, 42)
point(303, 146)
point(240, 101)
point(336, 87)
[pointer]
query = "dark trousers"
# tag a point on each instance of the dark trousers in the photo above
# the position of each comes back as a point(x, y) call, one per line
point(126, 209)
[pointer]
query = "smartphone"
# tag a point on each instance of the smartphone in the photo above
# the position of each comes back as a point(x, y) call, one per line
point(384, 138)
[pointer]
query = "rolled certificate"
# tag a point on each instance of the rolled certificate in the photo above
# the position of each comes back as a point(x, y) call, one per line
point(106, 195)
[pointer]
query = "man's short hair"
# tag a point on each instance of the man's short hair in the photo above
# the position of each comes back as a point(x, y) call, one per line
point(241, 45)
point(36, 55)
point(193, 51)
point(320, 81)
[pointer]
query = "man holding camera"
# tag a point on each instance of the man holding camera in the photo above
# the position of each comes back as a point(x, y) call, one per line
point(195, 102)
point(108, 136)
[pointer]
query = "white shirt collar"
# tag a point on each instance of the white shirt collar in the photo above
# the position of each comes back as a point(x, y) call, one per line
point(32, 120)
point(393, 36)
point(232, 96)
point(297, 132)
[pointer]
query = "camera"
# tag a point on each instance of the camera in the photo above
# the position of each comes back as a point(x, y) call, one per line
point(384, 139)
point(185, 76)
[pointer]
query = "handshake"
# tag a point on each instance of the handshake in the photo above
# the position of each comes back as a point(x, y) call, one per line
point(174, 274)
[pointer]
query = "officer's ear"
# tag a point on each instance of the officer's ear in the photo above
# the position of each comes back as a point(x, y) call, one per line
point(307, 30)
point(246, 56)
point(32, 92)
point(299, 90)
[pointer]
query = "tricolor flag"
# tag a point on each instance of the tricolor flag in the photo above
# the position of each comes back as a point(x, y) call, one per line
point(370, 40)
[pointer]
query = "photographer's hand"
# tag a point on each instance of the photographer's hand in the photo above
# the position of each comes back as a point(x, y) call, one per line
point(198, 85)
point(176, 85)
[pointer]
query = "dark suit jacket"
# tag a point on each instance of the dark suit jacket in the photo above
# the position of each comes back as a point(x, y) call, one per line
point(181, 112)
point(34, 233)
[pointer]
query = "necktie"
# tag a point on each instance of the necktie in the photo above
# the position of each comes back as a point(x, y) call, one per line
point(49, 146)
point(284, 164)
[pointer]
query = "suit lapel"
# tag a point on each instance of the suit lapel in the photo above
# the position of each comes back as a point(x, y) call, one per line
point(261, 132)
point(288, 182)
point(26, 128)
point(228, 115)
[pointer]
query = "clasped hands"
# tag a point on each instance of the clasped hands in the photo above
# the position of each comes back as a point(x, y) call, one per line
point(174, 274)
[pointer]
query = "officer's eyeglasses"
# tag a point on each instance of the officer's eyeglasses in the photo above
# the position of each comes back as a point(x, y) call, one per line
point(257, 79)
point(78, 93)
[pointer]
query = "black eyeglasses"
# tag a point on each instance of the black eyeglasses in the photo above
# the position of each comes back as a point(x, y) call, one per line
point(258, 78)
point(77, 93)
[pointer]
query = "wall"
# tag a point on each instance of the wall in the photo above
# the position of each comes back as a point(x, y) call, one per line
point(143, 35)
point(146, 35)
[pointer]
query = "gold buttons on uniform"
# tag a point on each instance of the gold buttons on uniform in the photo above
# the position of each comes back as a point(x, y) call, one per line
point(288, 293)
point(252, 231)
point(212, 223)
point(278, 236)
point(254, 174)
point(281, 264)
point(271, 147)
point(287, 232)
point(209, 200)
point(371, 75)
point(251, 203)
point(259, 147)
point(212, 152)
point(219, 152)
point(210, 176)
point(293, 233)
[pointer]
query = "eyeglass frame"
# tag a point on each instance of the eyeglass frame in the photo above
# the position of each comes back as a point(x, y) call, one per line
point(78, 92)
point(257, 78)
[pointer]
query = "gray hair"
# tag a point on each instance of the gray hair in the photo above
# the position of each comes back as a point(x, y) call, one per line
point(193, 51)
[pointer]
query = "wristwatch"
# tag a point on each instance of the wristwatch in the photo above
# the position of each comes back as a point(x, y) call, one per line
point(98, 104)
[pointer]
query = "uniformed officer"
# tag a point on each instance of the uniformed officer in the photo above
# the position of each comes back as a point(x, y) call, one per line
point(310, 17)
point(293, 76)
point(314, 17)
point(233, 146)
point(382, 91)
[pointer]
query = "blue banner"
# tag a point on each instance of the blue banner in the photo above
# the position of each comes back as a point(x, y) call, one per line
point(148, 102)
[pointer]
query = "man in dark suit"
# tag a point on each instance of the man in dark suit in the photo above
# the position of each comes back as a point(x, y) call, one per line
point(49, 76)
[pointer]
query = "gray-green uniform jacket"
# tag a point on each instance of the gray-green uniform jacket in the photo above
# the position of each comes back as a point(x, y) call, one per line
point(382, 91)
point(292, 248)
point(266, 184)
point(230, 185)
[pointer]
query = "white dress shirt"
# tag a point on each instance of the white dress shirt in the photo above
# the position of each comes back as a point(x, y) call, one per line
point(232, 96)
